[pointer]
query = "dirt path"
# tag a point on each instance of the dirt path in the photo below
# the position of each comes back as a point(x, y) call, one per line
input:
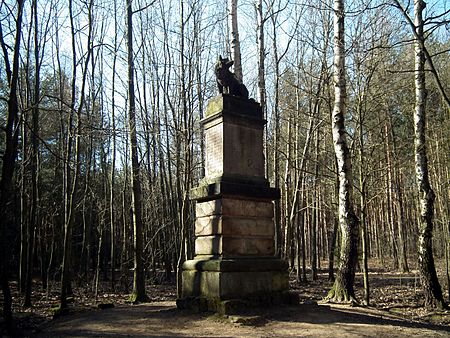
point(162, 319)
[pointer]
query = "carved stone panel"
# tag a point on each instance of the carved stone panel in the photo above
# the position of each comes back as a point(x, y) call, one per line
point(214, 151)
point(243, 150)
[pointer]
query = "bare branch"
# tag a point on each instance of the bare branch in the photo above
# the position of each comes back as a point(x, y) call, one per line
point(428, 57)
point(441, 52)
point(145, 7)
point(432, 18)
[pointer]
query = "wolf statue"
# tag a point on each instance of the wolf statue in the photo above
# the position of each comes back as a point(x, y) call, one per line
point(227, 81)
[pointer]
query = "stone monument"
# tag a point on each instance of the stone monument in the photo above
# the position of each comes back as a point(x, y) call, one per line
point(234, 265)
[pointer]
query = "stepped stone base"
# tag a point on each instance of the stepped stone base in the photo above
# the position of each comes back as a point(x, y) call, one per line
point(230, 286)
point(230, 227)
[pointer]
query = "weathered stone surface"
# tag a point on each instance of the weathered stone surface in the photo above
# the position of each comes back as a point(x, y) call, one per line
point(209, 208)
point(233, 284)
point(228, 246)
point(203, 284)
point(236, 265)
point(239, 207)
point(216, 189)
point(214, 144)
point(240, 306)
point(233, 105)
point(234, 207)
point(234, 225)
point(234, 149)
point(243, 150)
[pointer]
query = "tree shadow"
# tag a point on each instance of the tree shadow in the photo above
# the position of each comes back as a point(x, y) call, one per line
point(326, 314)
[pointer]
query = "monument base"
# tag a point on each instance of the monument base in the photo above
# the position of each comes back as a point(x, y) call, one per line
point(228, 286)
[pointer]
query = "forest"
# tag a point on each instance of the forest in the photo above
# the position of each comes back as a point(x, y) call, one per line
point(101, 141)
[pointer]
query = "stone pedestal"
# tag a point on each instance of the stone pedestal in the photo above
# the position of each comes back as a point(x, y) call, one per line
point(234, 265)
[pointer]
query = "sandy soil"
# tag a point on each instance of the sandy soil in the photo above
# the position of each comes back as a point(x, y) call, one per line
point(162, 319)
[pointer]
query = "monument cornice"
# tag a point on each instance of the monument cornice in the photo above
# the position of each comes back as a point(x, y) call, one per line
point(226, 107)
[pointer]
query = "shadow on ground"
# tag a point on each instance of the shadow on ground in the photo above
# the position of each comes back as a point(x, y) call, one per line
point(332, 314)
point(162, 319)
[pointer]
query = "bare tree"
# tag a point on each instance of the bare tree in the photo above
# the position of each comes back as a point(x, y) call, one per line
point(139, 294)
point(73, 138)
point(343, 288)
point(11, 132)
point(31, 225)
point(112, 194)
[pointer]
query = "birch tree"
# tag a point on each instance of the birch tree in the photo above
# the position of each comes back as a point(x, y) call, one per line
point(343, 287)
point(261, 56)
point(235, 45)
point(430, 282)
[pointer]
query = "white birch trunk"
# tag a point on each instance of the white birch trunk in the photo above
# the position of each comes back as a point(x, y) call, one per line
point(234, 39)
point(261, 54)
point(430, 282)
point(342, 290)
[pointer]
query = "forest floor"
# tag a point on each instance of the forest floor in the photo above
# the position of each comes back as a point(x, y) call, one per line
point(396, 310)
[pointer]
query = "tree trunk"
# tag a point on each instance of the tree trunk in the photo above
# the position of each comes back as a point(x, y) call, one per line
point(187, 122)
point(288, 229)
point(139, 294)
point(23, 208)
point(430, 282)
point(261, 57)
point(315, 211)
point(234, 39)
point(298, 206)
point(71, 188)
point(181, 198)
point(343, 288)
point(11, 131)
point(401, 224)
point(396, 198)
point(276, 138)
point(112, 193)
point(332, 247)
point(362, 187)
point(34, 217)
point(124, 266)
point(99, 258)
